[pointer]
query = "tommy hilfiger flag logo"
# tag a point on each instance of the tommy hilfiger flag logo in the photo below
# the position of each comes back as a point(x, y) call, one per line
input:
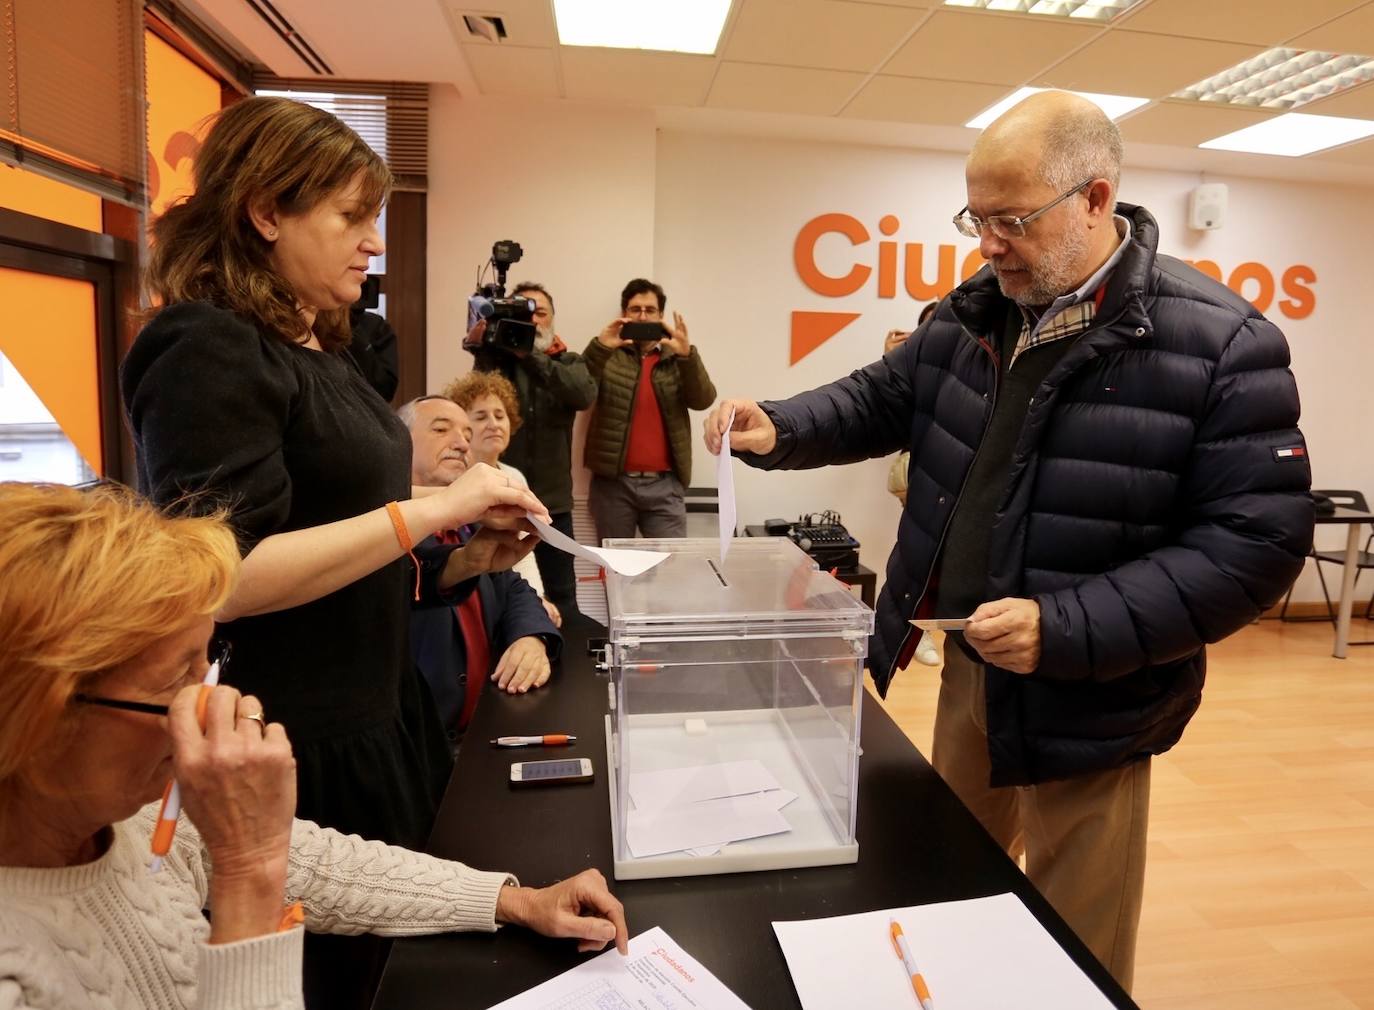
point(1290, 452)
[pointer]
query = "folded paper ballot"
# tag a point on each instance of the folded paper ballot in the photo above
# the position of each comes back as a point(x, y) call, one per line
point(624, 562)
point(941, 624)
point(703, 807)
point(678, 786)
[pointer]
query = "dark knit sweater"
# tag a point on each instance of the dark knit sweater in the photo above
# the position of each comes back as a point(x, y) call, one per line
point(963, 569)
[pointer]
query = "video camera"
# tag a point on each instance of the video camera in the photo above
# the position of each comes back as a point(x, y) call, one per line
point(510, 321)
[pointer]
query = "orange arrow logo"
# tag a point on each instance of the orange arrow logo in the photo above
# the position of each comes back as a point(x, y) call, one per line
point(811, 329)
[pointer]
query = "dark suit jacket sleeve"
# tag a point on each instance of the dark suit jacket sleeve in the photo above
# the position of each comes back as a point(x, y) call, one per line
point(516, 612)
point(433, 555)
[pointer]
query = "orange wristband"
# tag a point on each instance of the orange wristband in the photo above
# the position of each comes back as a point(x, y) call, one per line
point(403, 536)
point(291, 917)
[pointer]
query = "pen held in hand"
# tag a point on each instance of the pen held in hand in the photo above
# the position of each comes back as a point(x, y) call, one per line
point(165, 829)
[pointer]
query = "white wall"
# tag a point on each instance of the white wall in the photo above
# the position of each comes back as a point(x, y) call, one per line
point(574, 185)
point(602, 196)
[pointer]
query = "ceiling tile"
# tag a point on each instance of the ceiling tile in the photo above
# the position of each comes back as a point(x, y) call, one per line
point(818, 33)
point(528, 22)
point(635, 78)
point(987, 48)
point(1351, 154)
point(1260, 22)
point(513, 70)
point(1187, 124)
point(1353, 33)
point(1357, 103)
point(782, 89)
point(1149, 66)
point(914, 100)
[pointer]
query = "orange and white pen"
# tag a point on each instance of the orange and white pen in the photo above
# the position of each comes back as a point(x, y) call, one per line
point(547, 740)
point(918, 983)
point(166, 827)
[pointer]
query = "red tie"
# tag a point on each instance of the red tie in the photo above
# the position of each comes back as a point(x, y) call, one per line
point(474, 629)
point(479, 652)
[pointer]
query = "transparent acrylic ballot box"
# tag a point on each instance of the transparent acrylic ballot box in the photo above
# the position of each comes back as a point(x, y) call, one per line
point(733, 688)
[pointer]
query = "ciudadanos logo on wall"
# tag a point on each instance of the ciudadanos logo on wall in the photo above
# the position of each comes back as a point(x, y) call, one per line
point(924, 273)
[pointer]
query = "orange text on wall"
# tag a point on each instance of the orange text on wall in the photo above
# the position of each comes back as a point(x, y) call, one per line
point(927, 273)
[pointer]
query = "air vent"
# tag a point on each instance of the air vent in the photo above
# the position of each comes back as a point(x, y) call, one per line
point(288, 34)
point(487, 27)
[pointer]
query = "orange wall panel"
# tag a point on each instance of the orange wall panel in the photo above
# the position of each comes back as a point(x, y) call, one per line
point(49, 335)
point(31, 193)
point(181, 97)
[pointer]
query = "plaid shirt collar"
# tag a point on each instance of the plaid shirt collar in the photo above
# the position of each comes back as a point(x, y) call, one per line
point(1072, 313)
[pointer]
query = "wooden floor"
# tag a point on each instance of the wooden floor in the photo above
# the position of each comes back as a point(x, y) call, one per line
point(1259, 886)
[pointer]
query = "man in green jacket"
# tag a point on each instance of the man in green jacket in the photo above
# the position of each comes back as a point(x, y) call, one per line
point(639, 445)
point(552, 384)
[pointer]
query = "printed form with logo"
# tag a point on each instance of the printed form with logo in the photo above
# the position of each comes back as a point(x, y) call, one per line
point(656, 974)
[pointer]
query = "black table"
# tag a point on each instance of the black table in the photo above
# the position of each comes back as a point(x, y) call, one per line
point(917, 844)
point(865, 578)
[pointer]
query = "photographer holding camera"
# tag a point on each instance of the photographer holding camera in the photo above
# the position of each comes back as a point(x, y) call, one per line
point(639, 445)
point(552, 384)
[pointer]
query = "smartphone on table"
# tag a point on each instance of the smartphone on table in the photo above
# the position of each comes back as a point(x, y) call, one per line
point(561, 770)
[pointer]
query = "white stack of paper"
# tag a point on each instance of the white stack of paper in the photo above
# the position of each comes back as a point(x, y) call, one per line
point(980, 953)
point(701, 808)
point(656, 974)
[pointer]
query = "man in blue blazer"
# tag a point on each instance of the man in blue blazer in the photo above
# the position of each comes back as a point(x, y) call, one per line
point(500, 624)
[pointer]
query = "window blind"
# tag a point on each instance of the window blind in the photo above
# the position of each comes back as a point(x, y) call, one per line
point(73, 95)
point(393, 117)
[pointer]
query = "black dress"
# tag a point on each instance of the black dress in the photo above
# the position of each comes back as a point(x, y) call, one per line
point(288, 438)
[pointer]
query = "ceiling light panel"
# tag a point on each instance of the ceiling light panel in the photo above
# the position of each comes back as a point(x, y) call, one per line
point(1087, 10)
point(665, 25)
point(1283, 79)
point(1293, 135)
point(1115, 106)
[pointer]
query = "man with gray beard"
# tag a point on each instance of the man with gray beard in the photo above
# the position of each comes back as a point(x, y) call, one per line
point(1106, 476)
point(553, 384)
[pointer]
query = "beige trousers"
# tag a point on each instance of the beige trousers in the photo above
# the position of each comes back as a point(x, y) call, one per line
point(1083, 838)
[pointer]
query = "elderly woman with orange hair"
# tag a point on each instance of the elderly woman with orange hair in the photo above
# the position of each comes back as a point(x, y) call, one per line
point(106, 612)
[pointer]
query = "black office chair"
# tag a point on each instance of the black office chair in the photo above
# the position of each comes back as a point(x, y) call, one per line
point(1363, 560)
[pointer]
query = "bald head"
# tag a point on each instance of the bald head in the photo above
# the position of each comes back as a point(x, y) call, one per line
point(1061, 138)
point(1043, 177)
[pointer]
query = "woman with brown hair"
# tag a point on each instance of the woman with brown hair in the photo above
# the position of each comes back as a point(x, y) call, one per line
point(239, 395)
point(106, 611)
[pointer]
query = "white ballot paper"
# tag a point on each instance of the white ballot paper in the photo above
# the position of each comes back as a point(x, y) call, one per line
point(973, 955)
point(725, 491)
point(657, 974)
point(940, 623)
point(678, 786)
point(622, 561)
point(704, 825)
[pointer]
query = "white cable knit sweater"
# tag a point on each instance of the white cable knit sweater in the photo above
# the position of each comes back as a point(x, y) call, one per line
point(109, 935)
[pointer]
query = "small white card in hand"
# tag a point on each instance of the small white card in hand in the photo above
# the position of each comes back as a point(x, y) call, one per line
point(941, 624)
point(725, 494)
point(621, 561)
